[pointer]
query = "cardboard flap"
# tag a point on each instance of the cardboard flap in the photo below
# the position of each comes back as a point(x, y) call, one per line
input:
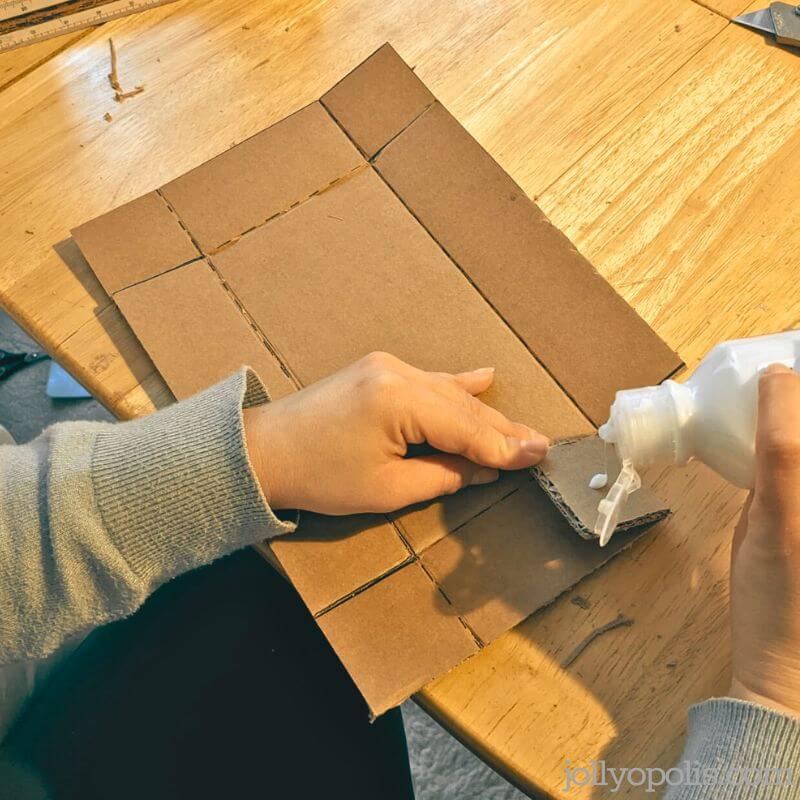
point(513, 559)
point(134, 242)
point(378, 633)
point(581, 330)
point(565, 475)
point(193, 330)
point(377, 100)
point(264, 175)
point(329, 558)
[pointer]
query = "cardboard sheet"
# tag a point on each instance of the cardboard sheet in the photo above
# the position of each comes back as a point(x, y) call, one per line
point(524, 266)
point(372, 221)
point(195, 333)
point(305, 277)
point(135, 242)
point(329, 558)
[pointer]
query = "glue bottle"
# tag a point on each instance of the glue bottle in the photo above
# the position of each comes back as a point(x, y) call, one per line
point(710, 417)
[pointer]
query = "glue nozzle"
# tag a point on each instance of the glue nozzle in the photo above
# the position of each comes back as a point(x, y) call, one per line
point(610, 507)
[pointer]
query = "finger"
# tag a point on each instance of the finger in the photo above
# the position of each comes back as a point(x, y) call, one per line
point(453, 428)
point(475, 382)
point(740, 531)
point(461, 388)
point(418, 479)
point(778, 439)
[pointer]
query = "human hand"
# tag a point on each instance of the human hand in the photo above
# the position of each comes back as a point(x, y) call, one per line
point(339, 445)
point(765, 570)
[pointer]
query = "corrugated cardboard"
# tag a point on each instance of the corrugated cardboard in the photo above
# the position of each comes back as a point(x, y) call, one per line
point(332, 557)
point(355, 260)
point(371, 220)
point(262, 176)
point(135, 242)
point(524, 266)
point(196, 334)
point(563, 475)
point(378, 100)
point(397, 635)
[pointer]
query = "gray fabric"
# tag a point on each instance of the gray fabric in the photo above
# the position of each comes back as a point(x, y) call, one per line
point(94, 516)
point(738, 750)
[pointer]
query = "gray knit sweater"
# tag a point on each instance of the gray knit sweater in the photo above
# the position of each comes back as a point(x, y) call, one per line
point(95, 516)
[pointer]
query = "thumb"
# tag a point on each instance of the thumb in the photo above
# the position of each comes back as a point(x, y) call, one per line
point(425, 477)
point(778, 440)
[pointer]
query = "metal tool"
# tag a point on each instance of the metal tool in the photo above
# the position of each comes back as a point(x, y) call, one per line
point(11, 362)
point(781, 20)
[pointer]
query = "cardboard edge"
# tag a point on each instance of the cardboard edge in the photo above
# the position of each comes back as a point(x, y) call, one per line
point(543, 479)
point(76, 234)
point(395, 698)
point(324, 101)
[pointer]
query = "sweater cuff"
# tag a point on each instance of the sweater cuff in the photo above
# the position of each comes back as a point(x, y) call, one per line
point(737, 749)
point(176, 489)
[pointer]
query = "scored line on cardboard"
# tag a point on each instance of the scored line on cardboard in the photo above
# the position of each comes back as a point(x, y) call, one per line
point(488, 302)
point(231, 294)
point(316, 193)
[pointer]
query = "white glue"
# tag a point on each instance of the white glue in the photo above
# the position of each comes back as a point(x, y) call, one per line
point(710, 417)
point(599, 481)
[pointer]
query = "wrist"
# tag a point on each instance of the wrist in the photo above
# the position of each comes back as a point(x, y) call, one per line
point(784, 705)
point(256, 432)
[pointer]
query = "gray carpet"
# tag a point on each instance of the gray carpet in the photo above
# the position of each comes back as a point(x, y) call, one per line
point(442, 768)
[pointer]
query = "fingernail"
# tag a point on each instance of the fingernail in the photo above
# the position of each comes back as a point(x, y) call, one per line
point(776, 368)
point(537, 445)
point(483, 371)
point(484, 475)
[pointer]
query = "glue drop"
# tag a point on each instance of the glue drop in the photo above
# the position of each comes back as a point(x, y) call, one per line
point(710, 417)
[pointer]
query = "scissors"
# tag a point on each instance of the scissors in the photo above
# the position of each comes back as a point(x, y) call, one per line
point(781, 20)
point(11, 362)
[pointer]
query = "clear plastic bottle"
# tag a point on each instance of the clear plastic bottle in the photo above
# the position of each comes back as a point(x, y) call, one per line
point(710, 417)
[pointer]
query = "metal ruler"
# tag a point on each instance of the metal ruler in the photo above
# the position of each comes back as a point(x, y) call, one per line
point(26, 21)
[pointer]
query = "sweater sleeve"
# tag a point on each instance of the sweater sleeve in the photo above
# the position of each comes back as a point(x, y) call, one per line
point(737, 750)
point(95, 516)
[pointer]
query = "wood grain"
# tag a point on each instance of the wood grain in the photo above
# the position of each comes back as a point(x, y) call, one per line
point(659, 137)
point(16, 63)
point(729, 8)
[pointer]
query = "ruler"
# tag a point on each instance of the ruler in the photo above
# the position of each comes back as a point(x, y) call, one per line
point(26, 21)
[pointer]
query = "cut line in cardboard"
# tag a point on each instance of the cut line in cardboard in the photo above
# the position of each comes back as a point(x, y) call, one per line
point(371, 220)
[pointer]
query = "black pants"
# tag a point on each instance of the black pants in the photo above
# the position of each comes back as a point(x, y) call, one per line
point(220, 686)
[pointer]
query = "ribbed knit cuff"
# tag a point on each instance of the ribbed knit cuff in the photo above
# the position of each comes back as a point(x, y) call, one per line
point(740, 750)
point(176, 489)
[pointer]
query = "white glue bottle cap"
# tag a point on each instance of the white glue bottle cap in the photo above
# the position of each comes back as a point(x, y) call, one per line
point(646, 427)
point(610, 507)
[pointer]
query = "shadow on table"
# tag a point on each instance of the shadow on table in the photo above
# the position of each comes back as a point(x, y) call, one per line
point(115, 327)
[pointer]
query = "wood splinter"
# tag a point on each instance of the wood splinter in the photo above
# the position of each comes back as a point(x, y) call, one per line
point(620, 622)
point(113, 78)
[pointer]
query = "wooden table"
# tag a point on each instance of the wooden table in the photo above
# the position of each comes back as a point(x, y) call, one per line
point(661, 138)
